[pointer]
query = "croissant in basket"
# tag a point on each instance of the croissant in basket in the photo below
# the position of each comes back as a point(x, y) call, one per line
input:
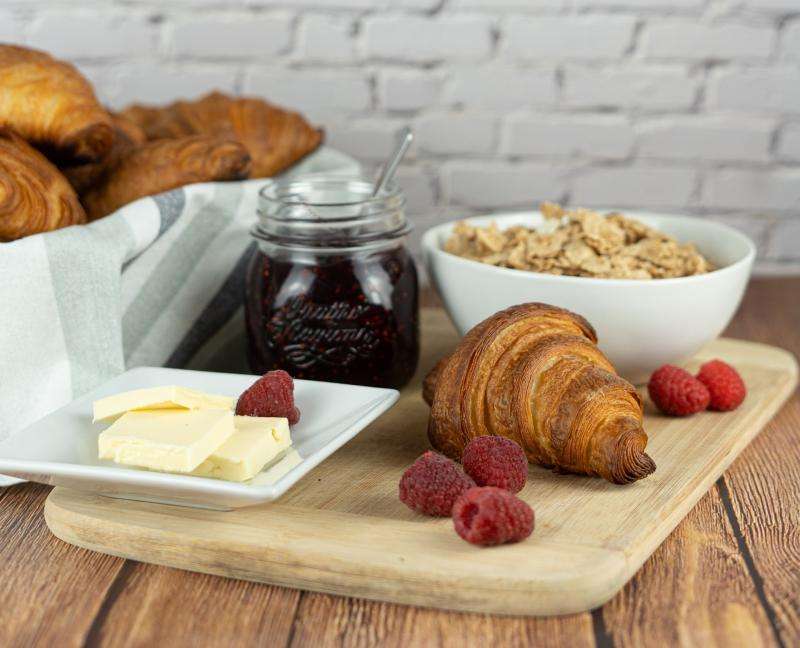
point(34, 196)
point(276, 138)
point(127, 136)
point(533, 373)
point(50, 104)
point(162, 165)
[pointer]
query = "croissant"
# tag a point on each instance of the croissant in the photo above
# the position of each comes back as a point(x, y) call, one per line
point(34, 196)
point(533, 373)
point(50, 104)
point(127, 136)
point(276, 138)
point(162, 165)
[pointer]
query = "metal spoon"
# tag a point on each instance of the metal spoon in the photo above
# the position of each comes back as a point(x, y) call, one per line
point(404, 139)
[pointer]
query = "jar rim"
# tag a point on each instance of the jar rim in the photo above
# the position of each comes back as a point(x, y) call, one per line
point(307, 211)
point(391, 192)
point(353, 244)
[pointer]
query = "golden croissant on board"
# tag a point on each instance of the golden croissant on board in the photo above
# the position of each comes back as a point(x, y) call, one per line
point(162, 165)
point(276, 138)
point(51, 105)
point(34, 196)
point(533, 373)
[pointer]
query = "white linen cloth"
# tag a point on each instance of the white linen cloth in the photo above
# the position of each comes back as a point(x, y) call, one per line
point(157, 283)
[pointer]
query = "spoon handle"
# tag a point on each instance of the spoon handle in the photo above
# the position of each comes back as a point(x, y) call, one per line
point(404, 139)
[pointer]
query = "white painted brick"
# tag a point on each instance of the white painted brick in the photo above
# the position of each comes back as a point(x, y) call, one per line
point(581, 37)
point(239, 37)
point(650, 88)
point(96, 34)
point(325, 4)
point(757, 89)
point(418, 187)
point(706, 138)
point(753, 189)
point(597, 136)
point(11, 28)
point(790, 41)
point(683, 39)
point(316, 92)
point(512, 5)
point(496, 185)
point(418, 5)
point(501, 87)
point(409, 89)
point(326, 38)
point(789, 143)
point(771, 267)
point(642, 5)
point(749, 224)
point(419, 39)
point(785, 239)
point(370, 139)
point(158, 83)
point(455, 133)
point(772, 6)
point(634, 187)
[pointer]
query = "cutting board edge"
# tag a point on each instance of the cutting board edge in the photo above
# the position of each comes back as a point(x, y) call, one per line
point(612, 569)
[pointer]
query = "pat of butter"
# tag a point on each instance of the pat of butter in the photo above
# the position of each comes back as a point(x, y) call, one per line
point(255, 442)
point(167, 440)
point(152, 398)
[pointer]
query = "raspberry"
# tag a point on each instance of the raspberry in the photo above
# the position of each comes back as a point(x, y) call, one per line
point(496, 461)
point(724, 384)
point(486, 515)
point(677, 392)
point(432, 484)
point(270, 395)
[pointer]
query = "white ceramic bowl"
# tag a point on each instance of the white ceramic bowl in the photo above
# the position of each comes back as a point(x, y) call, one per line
point(641, 324)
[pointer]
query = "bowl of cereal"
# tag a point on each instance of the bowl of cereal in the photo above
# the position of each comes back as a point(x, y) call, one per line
point(656, 287)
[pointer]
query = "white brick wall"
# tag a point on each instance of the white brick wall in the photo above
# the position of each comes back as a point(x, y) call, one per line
point(633, 186)
point(686, 105)
point(706, 138)
point(580, 37)
point(424, 40)
point(687, 39)
point(211, 36)
point(592, 136)
point(632, 88)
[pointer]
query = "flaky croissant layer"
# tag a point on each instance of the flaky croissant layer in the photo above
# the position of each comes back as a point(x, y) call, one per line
point(34, 196)
point(534, 373)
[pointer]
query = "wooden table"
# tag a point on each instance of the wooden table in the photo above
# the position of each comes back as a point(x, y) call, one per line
point(729, 575)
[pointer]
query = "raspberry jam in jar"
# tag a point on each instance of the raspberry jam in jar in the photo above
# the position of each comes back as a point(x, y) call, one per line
point(331, 294)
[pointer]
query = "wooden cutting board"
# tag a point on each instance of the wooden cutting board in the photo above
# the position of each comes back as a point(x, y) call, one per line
point(342, 529)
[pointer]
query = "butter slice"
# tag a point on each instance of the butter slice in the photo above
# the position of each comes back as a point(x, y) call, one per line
point(152, 398)
point(255, 442)
point(169, 440)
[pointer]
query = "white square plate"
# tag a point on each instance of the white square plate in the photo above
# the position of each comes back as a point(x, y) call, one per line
point(61, 448)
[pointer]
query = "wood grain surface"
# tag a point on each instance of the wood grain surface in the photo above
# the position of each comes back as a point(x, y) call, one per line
point(736, 551)
point(342, 530)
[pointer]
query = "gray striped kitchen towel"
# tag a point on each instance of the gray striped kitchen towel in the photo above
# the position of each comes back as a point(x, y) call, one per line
point(157, 283)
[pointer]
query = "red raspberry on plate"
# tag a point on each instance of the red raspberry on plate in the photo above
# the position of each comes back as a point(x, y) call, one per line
point(677, 392)
point(270, 395)
point(486, 515)
point(724, 384)
point(432, 484)
point(496, 461)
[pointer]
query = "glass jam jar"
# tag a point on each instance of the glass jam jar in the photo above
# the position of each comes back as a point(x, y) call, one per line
point(331, 294)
